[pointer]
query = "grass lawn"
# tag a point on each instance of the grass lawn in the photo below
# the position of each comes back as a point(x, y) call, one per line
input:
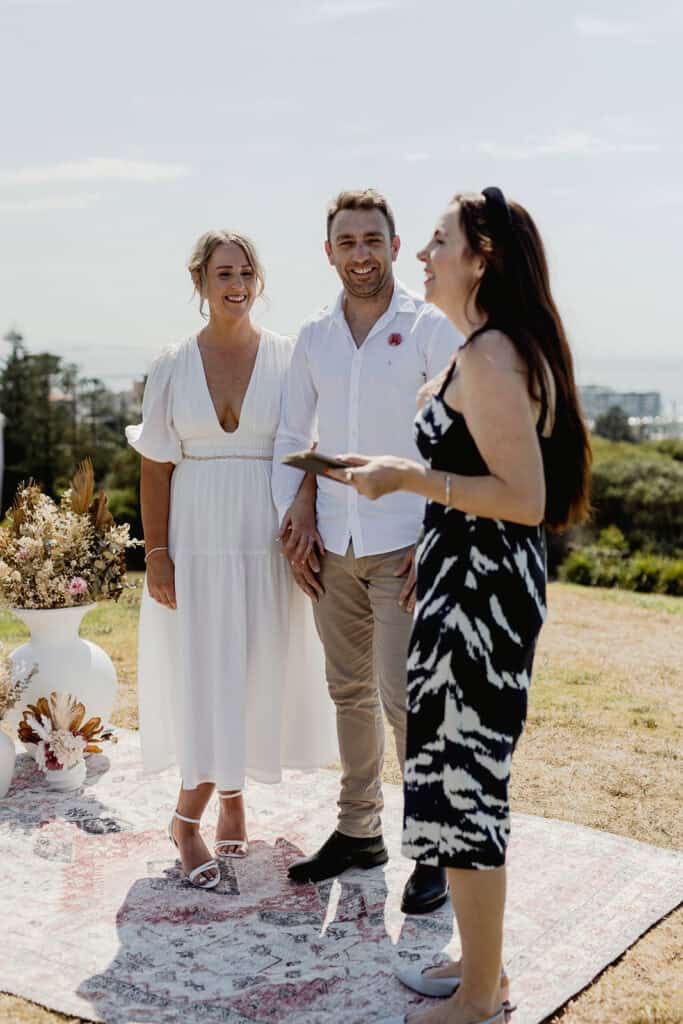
point(602, 748)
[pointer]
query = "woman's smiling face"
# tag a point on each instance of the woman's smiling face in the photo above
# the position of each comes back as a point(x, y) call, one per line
point(231, 286)
point(452, 271)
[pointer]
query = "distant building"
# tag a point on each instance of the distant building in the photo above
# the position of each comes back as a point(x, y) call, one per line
point(129, 403)
point(596, 400)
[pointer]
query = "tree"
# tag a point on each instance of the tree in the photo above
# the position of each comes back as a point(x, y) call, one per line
point(53, 420)
point(614, 425)
point(34, 423)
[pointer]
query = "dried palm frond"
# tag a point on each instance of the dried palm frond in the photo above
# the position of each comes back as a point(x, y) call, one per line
point(77, 716)
point(41, 709)
point(82, 487)
point(36, 721)
point(33, 728)
point(26, 733)
point(92, 732)
point(100, 514)
point(65, 710)
point(90, 729)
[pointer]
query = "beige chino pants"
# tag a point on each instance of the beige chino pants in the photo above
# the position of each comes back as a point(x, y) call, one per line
point(365, 635)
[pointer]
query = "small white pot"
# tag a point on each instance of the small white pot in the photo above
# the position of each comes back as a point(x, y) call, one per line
point(64, 779)
point(7, 758)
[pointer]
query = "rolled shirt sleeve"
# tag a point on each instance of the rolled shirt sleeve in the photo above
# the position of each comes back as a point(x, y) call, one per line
point(156, 437)
point(298, 425)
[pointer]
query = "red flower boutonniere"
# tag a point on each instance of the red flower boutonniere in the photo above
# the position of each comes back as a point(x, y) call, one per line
point(395, 339)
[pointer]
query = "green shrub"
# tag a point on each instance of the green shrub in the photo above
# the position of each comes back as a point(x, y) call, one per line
point(673, 447)
point(642, 573)
point(578, 568)
point(671, 578)
point(639, 490)
point(595, 566)
point(612, 537)
point(123, 504)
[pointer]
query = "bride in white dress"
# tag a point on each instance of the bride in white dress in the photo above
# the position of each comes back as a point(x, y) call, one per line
point(231, 674)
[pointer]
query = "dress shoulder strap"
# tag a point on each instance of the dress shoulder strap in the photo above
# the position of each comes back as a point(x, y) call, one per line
point(454, 361)
point(448, 377)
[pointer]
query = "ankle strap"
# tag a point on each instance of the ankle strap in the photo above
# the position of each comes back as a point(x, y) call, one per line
point(230, 796)
point(190, 821)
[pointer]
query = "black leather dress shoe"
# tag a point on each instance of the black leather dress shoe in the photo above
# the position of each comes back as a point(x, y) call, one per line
point(336, 855)
point(425, 890)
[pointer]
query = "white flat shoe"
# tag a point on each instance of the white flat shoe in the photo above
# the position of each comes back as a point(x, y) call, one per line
point(415, 978)
point(210, 865)
point(500, 1017)
point(219, 847)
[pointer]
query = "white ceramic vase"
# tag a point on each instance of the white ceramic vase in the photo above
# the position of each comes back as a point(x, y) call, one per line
point(64, 779)
point(66, 663)
point(7, 758)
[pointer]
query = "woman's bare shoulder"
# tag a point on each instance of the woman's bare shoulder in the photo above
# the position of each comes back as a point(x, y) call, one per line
point(491, 349)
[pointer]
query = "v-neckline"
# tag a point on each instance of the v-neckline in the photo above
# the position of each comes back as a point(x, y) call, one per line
point(228, 433)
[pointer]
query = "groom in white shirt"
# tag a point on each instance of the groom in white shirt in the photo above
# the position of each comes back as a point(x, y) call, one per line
point(352, 387)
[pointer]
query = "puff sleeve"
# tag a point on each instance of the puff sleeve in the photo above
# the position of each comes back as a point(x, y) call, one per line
point(156, 437)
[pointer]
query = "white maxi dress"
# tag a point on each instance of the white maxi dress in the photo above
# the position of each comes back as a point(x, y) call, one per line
point(232, 682)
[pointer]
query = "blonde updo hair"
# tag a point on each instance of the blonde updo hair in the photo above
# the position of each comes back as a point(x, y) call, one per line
point(204, 249)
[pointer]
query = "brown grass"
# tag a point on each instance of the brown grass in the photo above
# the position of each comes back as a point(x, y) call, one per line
point(602, 748)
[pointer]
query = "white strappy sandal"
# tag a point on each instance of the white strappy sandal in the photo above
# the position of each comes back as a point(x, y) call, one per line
point(242, 844)
point(209, 866)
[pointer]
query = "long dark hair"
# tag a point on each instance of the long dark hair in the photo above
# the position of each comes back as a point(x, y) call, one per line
point(514, 294)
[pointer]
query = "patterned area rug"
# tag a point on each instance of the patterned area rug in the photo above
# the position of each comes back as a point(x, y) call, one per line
point(98, 921)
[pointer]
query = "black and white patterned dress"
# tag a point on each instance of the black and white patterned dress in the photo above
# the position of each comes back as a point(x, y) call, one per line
point(480, 605)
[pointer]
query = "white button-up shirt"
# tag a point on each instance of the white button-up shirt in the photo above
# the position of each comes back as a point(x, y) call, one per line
point(360, 399)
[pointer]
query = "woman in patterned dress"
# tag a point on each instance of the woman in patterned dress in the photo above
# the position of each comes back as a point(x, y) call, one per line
point(508, 455)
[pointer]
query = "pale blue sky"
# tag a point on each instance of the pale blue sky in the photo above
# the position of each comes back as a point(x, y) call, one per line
point(129, 128)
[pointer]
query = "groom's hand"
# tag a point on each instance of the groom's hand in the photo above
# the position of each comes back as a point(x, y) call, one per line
point(406, 598)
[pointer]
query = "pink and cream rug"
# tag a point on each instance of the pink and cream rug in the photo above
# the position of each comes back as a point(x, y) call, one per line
point(98, 922)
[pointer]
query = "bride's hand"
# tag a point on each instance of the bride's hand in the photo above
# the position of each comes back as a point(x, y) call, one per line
point(299, 536)
point(161, 579)
point(374, 476)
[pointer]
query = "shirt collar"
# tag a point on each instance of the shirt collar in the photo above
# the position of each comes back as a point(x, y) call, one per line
point(402, 301)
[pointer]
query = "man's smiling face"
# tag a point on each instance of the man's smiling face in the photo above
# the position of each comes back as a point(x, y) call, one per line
point(362, 251)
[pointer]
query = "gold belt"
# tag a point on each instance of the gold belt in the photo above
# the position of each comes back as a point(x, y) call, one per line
point(214, 458)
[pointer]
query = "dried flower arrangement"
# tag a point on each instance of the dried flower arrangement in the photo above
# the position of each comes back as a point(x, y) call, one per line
point(55, 724)
point(58, 555)
point(12, 688)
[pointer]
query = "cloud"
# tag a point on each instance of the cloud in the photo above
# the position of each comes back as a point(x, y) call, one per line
point(415, 157)
point(564, 144)
point(94, 169)
point(21, 4)
point(641, 30)
point(315, 13)
point(605, 28)
point(44, 203)
point(660, 197)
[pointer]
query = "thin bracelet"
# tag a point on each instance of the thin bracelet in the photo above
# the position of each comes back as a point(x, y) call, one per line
point(164, 548)
point(448, 490)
